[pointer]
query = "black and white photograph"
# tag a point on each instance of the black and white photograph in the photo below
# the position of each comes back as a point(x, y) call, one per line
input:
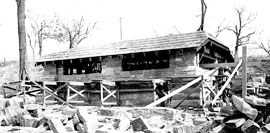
point(134, 66)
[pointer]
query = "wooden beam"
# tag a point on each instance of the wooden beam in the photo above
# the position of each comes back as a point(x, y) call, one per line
point(50, 82)
point(55, 96)
point(155, 103)
point(108, 96)
point(76, 83)
point(227, 82)
point(181, 88)
point(68, 94)
point(193, 90)
point(208, 56)
point(212, 65)
point(210, 88)
point(80, 93)
point(244, 71)
point(76, 91)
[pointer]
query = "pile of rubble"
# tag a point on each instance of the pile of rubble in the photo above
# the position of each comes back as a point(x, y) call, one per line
point(33, 118)
point(248, 115)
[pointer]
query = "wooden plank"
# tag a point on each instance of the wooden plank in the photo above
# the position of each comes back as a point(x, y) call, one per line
point(212, 65)
point(226, 83)
point(80, 92)
point(180, 89)
point(197, 87)
point(109, 83)
point(211, 89)
point(76, 83)
point(68, 94)
point(136, 90)
point(8, 87)
point(51, 93)
point(244, 71)
point(50, 82)
point(111, 94)
point(76, 91)
point(54, 91)
point(174, 92)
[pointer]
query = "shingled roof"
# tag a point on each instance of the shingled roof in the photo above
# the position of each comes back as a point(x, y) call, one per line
point(175, 41)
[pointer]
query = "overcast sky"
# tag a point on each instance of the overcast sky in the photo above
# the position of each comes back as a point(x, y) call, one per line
point(140, 19)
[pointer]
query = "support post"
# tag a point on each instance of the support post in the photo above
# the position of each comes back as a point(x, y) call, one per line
point(244, 71)
point(68, 94)
point(44, 94)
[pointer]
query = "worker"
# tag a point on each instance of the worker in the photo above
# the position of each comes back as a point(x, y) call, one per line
point(226, 92)
point(161, 89)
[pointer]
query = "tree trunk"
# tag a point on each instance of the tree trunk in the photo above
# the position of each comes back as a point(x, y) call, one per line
point(22, 39)
point(236, 47)
point(236, 53)
point(40, 45)
point(71, 42)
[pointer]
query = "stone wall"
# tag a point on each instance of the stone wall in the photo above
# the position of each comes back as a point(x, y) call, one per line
point(181, 64)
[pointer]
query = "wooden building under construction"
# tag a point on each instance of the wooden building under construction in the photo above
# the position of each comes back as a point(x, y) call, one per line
point(130, 66)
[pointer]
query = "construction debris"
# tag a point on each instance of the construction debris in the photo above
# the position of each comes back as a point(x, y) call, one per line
point(239, 117)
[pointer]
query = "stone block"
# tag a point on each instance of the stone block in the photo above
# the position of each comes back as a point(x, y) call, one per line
point(250, 127)
point(29, 121)
point(80, 128)
point(183, 129)
point(139, 124)
point(199, 121)
point(106, 112)
point(3, 103)
point(70, 127)
point(235, 123)
point(124, 120)
point(83, 115)
point(229, 111)
point(218, 128)
point(75, 119)
point(90, 126)
point(266, 128)
point(56, 125)
point(14, 114)
point(244, 107)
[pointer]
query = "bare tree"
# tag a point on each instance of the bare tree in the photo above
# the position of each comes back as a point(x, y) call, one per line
point(203, 13)
point(22, 40)
point(32, 46)
point(76, 32)
point(220, 29)
point(40, 29)
point(241, 30)
point(265, 47)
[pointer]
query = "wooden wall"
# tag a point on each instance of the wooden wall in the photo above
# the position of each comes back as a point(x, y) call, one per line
point(181, 64)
